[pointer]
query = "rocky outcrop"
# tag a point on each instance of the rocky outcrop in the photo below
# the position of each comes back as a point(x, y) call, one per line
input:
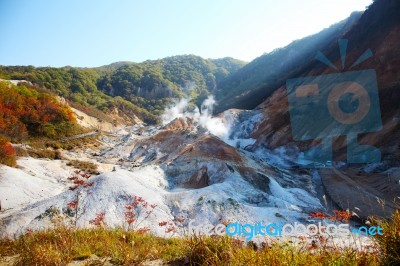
point(180, 124)
point(199, 179)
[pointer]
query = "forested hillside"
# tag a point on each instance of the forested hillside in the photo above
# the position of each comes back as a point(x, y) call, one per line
point(141, 89)
point(253, 83)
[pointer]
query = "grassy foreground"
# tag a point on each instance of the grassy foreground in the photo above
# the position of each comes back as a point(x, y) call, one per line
point(63, 245)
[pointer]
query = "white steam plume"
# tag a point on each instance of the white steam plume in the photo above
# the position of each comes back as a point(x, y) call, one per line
point(175, 111)
point(214, 125)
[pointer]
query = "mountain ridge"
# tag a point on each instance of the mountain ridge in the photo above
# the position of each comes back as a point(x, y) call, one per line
point(145, 88)
point(257, 80)
point(378, 29)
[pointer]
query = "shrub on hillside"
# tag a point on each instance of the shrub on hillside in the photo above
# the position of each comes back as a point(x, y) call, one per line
point(26, 111)
point(88, 167)
point(45, 153)
point(7, 154)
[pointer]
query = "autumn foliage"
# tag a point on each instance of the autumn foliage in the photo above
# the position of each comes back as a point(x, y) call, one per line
point(25, 111)
point(7, 155)
point(99, 220)
point(136, 211)
point(338, 216)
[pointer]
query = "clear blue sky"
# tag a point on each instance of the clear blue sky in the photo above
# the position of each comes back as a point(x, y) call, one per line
point(94, 33)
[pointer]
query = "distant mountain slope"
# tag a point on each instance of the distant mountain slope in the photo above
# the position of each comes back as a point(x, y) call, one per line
point(168, 77)
point(144, 88)
point(78, 85)
point(379, 30)
point(253, 83)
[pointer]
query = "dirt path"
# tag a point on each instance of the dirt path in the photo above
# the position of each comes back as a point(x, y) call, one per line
point(93, 133)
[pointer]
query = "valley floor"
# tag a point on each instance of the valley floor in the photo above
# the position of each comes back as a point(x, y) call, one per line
point(149, 184)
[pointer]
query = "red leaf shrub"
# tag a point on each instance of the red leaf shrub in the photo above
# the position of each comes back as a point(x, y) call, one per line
point(137, 210)
point(7, 154)
point(99, 220)
point(338, 216)
point(24, 110)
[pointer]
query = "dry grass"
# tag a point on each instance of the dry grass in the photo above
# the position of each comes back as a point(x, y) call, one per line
point(227, 251)
point(63, 245)
point(42, 143)
point(88, 167)
point(45, 153)
point(52, 149)
point(119, 246)
point(389, 242)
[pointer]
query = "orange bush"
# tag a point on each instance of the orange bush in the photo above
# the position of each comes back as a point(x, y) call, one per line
point(24, 110)
point(7, 154)
point(338, 216)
